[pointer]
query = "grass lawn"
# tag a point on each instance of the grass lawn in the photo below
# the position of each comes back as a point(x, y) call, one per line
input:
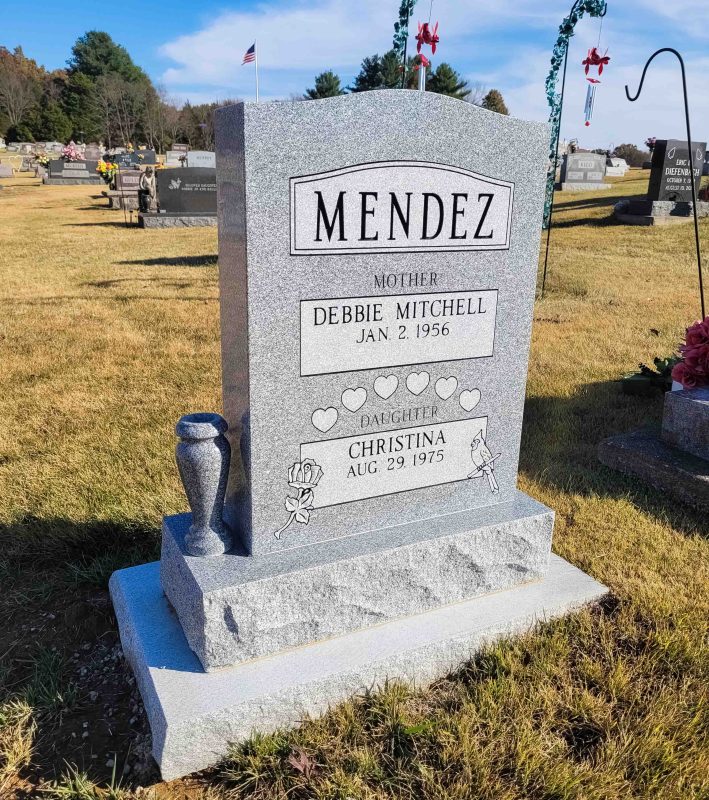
point(108, 334)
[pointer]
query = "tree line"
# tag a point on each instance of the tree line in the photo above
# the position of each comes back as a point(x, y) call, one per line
point(386, 72)
point(102, 95)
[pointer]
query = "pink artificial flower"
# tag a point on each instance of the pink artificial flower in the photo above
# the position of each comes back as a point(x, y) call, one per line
point(693, 370)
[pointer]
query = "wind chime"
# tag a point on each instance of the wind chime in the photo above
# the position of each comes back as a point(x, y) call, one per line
point(425, 36)
point(594, 60)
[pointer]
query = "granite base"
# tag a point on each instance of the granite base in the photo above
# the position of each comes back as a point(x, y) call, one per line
point(644, 454)
point(193, 715)
point(685, 422)
point(584, 187)
point(234, 607)
point(657, 212)
point(71, 181)
point(126, 199)
point(173, 220)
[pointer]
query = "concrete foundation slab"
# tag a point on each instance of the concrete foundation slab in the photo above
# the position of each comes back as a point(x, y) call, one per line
point(584, 187)
point(193, 714)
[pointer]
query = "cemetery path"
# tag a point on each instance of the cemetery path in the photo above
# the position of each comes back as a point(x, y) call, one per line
point(110, 333)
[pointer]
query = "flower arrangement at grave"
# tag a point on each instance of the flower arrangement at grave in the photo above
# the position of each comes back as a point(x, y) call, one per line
point(43, 159)
point(107, 170)
point(72, 152)
point(129, 148)
point(693, 369)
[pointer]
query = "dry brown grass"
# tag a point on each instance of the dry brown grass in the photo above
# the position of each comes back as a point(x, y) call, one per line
point(110, 334)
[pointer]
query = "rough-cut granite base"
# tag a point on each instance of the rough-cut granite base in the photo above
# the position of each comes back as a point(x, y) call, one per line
point(234, 608)
point(643, 453)
point(193, 714)
point(584, 187)
point(127, 199)
point(151, 220)
point(657, 212)
point(685, 422)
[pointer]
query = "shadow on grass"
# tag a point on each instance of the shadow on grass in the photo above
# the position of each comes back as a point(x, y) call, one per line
point(78, 554)
point(559, 448)
point(100, 224)
point(175, 261)
point(594, 202)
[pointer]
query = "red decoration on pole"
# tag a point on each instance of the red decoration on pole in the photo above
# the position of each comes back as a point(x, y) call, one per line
point(593, 59)
point(427, 36)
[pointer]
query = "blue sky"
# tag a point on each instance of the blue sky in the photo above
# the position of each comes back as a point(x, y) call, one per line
point(194, 50)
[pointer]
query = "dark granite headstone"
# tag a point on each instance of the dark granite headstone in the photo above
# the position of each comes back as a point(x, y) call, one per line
point(180, 148)
point(188, 190)
point(670, 176)
point(583, 168)
point(61, 171)
point(136, 157)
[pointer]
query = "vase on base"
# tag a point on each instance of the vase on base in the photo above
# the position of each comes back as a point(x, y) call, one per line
point(203, 455)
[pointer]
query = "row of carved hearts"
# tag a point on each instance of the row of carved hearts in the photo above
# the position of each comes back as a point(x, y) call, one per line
point(385, 386)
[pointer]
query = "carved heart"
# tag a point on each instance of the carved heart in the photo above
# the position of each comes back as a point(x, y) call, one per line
point(417, 382)
point(386, 385)
point(354, 399)
point(445, 387)
point(324, 418)
point(469, 399)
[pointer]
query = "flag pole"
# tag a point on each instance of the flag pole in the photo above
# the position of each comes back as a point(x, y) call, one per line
point(256, 65)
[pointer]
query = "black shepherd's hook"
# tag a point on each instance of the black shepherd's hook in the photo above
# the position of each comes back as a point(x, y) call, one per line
point(689, 156)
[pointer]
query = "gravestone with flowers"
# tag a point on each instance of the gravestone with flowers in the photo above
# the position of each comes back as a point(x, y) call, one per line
point(355, 512)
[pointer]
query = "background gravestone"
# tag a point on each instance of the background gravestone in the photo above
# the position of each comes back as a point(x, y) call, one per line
point(190, 190)
point(180, 148)
point(670, 176)
point(201, 158)
point(137, 157)
point(72, 172)
point(583, 172)
point(92, 152)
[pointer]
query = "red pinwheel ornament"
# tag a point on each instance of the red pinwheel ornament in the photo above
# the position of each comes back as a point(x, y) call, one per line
point(427, 36)
point(423, 62)
point(593, 59)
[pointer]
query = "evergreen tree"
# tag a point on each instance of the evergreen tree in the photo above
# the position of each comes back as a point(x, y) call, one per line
point(53, 125)
point(445, 80)
point(327, 84)
point(370, 75)
point(493, 101)
point(95, 53)
point(391, 70)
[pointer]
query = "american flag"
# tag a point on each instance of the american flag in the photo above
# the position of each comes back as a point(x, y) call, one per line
point(249, 55)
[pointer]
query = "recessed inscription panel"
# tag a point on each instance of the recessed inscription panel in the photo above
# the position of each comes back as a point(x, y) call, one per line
point(399, 206)
point(377, 464)
point(359, 333)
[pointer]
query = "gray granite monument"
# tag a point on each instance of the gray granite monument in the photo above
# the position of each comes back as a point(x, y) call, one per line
point(377, 278)
point(69, 173)
point(583, 172)
point(201, 158)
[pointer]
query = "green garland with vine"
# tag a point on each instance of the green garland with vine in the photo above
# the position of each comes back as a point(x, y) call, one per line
point(401, 28)
point(595, 8)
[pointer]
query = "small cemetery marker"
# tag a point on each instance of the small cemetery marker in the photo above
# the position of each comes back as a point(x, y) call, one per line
point(377, 278)
point(201, 158)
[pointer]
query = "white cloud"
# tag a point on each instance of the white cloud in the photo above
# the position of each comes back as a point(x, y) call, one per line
point(297, 39)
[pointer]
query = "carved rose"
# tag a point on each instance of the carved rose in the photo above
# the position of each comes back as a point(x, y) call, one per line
point(304, 475)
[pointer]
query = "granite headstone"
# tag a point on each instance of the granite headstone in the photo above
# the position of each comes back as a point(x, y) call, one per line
point(6, 171)
point(583, 171)
point(192, 190)
point(201, 158)
point(137, 157)
point(377, 280)
point(72, 172)
point(670, 176)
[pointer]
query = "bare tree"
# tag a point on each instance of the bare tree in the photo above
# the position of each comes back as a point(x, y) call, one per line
point(17, 93)
point(477, 93)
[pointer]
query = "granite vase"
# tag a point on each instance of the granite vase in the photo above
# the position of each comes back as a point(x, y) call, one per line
point(203, 455)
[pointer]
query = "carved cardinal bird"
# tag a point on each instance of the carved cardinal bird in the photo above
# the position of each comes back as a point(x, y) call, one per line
point(595, 59)
point(427, 36)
